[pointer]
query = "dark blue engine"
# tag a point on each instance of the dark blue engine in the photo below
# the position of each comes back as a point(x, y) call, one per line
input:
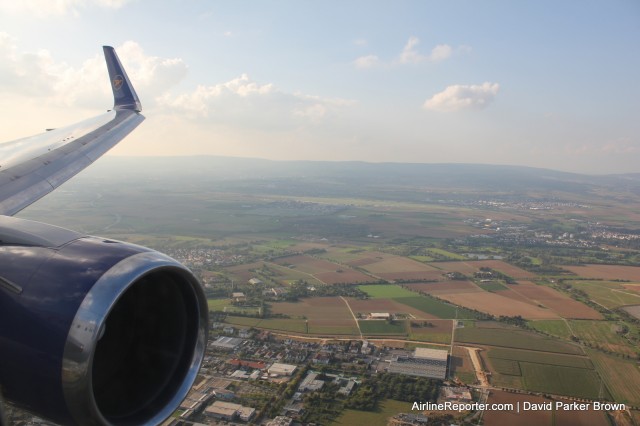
point(95, 331)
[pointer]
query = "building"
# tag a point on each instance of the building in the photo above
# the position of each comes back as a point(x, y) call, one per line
point(230, 411)
point(226, 343)
point(254, 281)
point(425, 362)
point(322, 358)
point(246, 413)
point(457, 393)
point(407, 419)
point(379, 315)
point(280, 421)
point(238, 297)
point(223, 410)
point(281, 369)
point(346, 389)
point(310, 383)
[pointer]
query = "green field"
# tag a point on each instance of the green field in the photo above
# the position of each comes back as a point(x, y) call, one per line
point(603, 334)
point(608, 293)
point(492, 286)
point(431, 337)
point(422, 258)
point(518, 339)
point(434, 307)
point(577, 382)
point(325, 330)
point(386, 409)
point(377, 327)
point(540, 358)
point(218, 304)
point(244, 310)
point(444, 253)
point(554, 327)
point(506, 366)
point(622, 377)
point(245, 321)
point(386, 291)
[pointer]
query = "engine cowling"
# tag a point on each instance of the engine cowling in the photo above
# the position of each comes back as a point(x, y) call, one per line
point(95, 331)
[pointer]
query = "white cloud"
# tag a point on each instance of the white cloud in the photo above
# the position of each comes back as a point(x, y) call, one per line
point(49, 8)
point(460, 97)
point(205, 98)
point(411, 55)
point(245, 102)
point(37, 75)
point(440, 53)
point(368, 61)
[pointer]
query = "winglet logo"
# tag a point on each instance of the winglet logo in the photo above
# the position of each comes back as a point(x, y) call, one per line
point(117, 82)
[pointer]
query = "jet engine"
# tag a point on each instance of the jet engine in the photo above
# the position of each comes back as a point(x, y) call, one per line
point(95, 331)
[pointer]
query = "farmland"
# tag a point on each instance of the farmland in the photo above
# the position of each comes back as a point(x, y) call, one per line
point(610, 294)
point(554, 327)
point(380, 417)
point(514, 338)
point(379, 327)
point(495, 304)
point(408, 246)
point(603, 334)
point(622, 377)
point(607, 272)
point(539, 418)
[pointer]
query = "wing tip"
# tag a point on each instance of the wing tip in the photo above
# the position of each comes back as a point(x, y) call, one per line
point(124, 95)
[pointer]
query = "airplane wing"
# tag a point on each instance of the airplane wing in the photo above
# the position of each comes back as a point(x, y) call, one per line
point(32, 167)
point(92, 331)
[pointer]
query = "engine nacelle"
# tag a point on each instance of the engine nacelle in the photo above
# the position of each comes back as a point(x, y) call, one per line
point(95, 331)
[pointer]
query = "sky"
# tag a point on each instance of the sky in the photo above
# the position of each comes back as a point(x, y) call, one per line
point(545, 83)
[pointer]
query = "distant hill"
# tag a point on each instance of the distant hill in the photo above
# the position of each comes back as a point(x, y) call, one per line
point(357, 178)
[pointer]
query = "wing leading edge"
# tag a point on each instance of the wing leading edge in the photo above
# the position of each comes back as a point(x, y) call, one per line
point(31, 168)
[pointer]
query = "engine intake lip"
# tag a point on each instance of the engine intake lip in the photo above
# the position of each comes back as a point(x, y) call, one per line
point(88, 327)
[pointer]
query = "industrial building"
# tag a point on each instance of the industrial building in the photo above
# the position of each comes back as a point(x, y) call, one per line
point(230, 411)
point(226, 343)
point(425, 362)
point(279, 369)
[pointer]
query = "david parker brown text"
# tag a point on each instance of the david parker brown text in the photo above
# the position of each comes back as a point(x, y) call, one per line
point(519, 406)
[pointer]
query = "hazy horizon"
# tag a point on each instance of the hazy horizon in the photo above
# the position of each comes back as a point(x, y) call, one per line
point(538, 84)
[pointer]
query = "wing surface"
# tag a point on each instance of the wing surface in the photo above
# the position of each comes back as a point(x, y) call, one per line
point(30, 168)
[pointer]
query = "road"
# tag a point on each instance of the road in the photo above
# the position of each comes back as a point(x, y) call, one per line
point(354, 317)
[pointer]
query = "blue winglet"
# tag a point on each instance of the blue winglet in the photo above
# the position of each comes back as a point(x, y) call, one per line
point(124, 95)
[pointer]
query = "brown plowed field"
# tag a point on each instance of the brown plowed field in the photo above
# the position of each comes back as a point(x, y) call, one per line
point(347, 276)
point(606, 272)
point(389, 263)
point(468, 268)
point(556, 301)
point(515, 296)
point(308, 264)
point(320, 311)
point(411, 275)
point(495, 304)
point(632, 287)
point(242, 273)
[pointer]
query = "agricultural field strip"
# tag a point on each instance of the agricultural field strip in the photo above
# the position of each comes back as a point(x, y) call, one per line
point(516, 340)
point(295, 270)
point(624, 292)
point(538, 357)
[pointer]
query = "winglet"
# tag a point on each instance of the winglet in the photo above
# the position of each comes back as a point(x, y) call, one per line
point(124, 95)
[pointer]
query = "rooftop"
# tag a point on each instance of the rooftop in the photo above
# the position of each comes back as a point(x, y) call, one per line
point(431, 354)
